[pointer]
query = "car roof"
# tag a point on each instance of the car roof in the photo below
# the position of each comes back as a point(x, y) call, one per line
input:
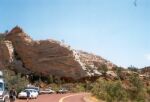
point(31, 89)
point(36, 88)
point(1, 80)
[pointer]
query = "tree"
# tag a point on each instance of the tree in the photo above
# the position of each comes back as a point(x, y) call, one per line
point(137, 91)
point(15, 80)
point(119, 72)
point(132, 68)
point(103, 69)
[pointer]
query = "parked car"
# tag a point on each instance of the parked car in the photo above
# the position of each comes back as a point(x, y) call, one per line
point(35, 88)
point(62, 91)
point(47, 91)
point(33, 93)
point(4, 93)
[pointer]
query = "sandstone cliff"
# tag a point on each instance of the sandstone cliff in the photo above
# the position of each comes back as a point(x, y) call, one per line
point(47, 57)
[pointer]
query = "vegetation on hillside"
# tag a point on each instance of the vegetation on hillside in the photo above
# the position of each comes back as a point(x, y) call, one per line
point(3, 35)
point(128, 88)
point(15, 80)
point(125, 88)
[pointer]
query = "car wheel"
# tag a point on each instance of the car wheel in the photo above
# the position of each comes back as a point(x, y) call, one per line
point(32, 97)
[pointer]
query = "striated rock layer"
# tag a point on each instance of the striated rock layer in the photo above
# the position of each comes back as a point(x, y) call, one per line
point(6, 54)
point(47, 57)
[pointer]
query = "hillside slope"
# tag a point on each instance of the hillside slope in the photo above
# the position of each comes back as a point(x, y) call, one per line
point(47, 57)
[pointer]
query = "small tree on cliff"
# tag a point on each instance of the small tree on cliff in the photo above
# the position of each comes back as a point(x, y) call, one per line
point(103, 69)
point(2, 37)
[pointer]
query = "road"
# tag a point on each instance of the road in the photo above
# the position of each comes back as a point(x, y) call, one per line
point(57, 98)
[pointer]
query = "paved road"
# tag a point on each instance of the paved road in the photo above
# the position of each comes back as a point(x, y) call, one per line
point(58, 98)
point(73, 98)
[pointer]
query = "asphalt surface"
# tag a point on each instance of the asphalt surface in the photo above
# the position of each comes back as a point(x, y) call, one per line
point(57, 98)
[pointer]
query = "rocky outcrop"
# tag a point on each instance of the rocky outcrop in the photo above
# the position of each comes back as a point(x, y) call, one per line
point(47, 57)
point(94, 60)
point(6, 53)
point(145, 71)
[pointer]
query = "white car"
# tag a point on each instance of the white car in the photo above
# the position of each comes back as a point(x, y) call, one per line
point(62, 91)
point(47, 91)
point(33, 93)
point(33, 87)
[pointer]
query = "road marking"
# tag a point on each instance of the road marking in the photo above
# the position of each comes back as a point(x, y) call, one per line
point(62, 99)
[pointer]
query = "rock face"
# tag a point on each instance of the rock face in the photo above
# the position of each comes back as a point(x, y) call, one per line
point(6, 53)
point(94, 60)
point(146, 71)
point(47, 57)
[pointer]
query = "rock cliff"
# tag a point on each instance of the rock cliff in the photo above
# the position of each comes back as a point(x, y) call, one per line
point(47, 57)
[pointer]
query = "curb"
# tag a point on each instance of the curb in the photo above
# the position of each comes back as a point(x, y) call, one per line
point(86, 99)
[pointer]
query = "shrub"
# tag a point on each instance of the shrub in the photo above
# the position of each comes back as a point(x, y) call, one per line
point(137, 91)
point(15, 80)
point(132, 68)
point(148, 90)
point(54, 86)
point(109, 91)
point(115, 92)
point(80, 87)
point(103, 69)
point(98, 89)
point(118, 71)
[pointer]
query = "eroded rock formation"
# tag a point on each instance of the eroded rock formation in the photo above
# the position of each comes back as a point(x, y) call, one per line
point(6, 53)
point(47, 57)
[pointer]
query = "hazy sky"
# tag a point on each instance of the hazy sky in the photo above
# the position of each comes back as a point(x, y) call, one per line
point(113, 29)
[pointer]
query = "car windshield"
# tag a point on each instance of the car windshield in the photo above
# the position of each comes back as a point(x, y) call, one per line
point(31, 90)
point(34, 91)
point(24, 91)
point(1, 86)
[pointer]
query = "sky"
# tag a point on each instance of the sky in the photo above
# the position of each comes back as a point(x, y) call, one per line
point(117, 30)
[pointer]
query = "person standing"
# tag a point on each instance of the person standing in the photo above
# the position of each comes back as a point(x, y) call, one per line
point(28, 95)
point(12, 94)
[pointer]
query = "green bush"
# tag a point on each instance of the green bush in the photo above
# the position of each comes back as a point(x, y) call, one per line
point(116, 91)
point(136, 82)
point(109, 91)
point(54, 86)
point(118, 71)
point(80, 87)
point(137, 91)
point(15, 80)
point(148, 90)
point(103, 69)
point(98, 89)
